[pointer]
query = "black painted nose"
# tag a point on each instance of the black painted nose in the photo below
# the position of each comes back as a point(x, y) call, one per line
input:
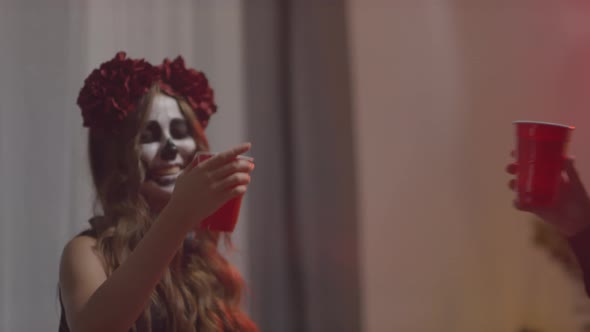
point(169, 151)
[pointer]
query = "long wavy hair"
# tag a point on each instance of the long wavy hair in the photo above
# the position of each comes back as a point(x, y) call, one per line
point(199, 291)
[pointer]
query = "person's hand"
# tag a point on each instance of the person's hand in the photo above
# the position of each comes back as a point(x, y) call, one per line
point(201, 190)
point(570, 213)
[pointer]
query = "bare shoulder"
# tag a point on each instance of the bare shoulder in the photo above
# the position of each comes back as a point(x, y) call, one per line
point(80, 257)
point(80, 243)
point(81, 272)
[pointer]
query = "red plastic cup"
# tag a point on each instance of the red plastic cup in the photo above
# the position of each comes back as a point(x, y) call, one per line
point(541, 149)
point(226, 217)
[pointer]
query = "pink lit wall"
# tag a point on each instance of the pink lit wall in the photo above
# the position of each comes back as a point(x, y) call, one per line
point(436, 86)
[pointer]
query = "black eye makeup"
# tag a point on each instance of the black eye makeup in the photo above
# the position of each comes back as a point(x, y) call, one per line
point(179, 129)
point(151, 133)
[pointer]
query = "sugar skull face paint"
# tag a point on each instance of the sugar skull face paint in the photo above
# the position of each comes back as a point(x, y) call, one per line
point(167, 144)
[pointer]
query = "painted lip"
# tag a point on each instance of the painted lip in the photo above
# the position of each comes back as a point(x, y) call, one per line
point(165, 171)
point(164, 175)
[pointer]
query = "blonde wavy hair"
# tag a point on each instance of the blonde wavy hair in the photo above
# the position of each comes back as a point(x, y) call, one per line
point(200, 290)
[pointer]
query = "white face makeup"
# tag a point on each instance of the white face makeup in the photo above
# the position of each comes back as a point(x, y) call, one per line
point(167, 145)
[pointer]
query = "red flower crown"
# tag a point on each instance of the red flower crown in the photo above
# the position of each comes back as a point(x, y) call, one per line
point(111, 92)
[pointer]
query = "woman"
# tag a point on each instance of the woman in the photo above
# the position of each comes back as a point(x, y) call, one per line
point(570, 215)
point(144, 264)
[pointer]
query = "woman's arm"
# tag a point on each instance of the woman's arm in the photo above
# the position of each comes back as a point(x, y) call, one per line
point(94, 303)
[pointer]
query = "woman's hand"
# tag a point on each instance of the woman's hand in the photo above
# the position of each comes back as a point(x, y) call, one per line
point(202, 189)
point(570, 213)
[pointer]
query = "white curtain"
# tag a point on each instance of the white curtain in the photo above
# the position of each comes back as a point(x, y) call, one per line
point(47, 50)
